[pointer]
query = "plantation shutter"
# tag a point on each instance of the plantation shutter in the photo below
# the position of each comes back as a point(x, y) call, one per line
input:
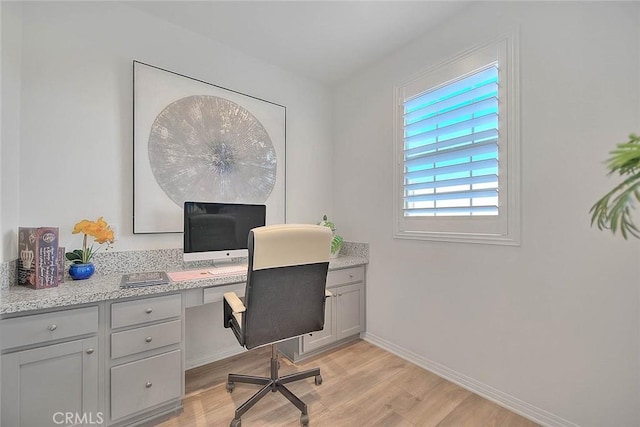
point(451, 148)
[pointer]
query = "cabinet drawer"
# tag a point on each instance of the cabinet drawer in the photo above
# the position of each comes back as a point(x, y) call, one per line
point(215, 293)
point(346, 275)
point(140, 385)
point(145, 310)
point(145, 338)
point(39, 328)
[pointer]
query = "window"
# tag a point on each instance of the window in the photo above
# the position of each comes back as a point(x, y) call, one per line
point(457, 141)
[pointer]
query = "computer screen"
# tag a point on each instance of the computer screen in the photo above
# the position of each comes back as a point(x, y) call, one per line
point(218, 231)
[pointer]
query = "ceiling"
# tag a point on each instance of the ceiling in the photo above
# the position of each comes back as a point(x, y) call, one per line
point(324, 40)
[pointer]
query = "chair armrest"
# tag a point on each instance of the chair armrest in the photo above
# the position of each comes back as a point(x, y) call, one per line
point(234, 302)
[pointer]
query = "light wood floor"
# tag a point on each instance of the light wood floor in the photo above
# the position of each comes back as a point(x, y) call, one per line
point(363, 385)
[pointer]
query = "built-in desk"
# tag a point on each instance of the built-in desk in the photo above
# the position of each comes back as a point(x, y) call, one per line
point(18, 300)
point(105, 355)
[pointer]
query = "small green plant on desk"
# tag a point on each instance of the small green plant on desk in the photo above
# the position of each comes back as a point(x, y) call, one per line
point(337, 241)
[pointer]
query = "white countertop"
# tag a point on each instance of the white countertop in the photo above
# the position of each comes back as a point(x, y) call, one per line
point(98, 288)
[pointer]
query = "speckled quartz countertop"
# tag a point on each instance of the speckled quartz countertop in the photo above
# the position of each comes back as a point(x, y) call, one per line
point(105, 287)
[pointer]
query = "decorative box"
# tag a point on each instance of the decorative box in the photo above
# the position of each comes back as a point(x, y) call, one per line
point(38, 254)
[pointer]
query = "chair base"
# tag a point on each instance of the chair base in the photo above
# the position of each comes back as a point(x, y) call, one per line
point(273, 383)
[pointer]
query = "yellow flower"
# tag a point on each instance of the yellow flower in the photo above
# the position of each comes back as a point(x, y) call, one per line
point(81, 226)
point(104, 235)
point(99, 230)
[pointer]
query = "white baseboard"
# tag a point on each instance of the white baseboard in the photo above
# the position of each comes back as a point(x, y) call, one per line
point(512, 403)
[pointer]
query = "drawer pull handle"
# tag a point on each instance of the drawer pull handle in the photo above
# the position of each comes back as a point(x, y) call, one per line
point(90, 351)
point(148, 339)
point(351, 276)
point(148, 311)
point(52, 327)
point(148, 384)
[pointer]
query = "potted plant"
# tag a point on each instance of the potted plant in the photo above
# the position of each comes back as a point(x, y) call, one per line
point(337, 241)
point(82, 267)
point(613, 210)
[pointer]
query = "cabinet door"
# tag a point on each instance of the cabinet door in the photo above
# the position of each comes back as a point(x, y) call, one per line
point(52, 385)
point(327, 335)
point(349, 309)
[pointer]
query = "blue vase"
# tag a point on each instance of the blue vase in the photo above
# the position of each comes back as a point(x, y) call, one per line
point(81, 271)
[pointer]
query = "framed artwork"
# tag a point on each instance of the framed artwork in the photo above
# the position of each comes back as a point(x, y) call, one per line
point(195, 141)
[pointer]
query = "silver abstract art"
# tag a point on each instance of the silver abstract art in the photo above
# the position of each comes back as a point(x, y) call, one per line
point(211, 149)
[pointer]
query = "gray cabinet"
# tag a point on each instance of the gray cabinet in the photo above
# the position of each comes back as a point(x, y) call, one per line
point(349, 303)
point(344, 315)
point(327, 335)
point(146, 368)
point(46, 382)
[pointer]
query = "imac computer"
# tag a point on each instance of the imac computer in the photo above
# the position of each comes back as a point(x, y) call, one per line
point(219, 231)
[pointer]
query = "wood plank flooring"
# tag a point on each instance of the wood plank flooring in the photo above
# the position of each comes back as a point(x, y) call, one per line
point(363, 385)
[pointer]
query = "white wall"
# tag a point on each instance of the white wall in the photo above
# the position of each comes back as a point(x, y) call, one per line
point(552, 324)
point(10, 85)
point(76, 116)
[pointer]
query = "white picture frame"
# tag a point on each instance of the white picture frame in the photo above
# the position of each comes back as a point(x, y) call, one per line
point(182, 162)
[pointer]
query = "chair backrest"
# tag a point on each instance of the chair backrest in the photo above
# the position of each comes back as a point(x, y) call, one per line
point(286, 281)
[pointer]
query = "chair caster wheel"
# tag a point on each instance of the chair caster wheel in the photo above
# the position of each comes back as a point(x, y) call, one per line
point(235, 423)
point(230, 386)
point(304, 420)
point(318, 379)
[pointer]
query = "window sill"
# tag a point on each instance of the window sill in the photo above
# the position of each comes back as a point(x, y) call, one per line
point(476, 238)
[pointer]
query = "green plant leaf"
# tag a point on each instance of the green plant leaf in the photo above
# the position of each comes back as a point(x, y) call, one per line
point(336, 243)
point(326, 223)
point(74, 255)
point(614, 210)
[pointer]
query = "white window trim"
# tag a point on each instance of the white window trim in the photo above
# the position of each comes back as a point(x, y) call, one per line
point(448, 229)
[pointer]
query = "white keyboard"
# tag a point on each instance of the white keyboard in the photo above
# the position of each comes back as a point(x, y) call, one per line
point(228, 270)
